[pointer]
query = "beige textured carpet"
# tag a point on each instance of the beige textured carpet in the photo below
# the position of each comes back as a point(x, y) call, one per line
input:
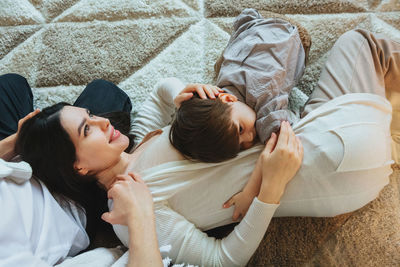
point(62, 45)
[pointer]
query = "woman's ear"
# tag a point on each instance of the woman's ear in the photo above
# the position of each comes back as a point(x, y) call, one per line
point(226, 98)
point(80, 170)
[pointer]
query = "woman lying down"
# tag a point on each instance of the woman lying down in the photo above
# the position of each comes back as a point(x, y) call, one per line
point(334, 177)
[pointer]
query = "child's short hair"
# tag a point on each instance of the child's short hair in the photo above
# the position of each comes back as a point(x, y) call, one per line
point(203, 130)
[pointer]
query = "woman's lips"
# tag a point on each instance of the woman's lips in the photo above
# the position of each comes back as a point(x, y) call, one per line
point(115, 134)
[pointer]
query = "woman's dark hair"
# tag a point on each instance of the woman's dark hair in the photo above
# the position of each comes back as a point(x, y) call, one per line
point(47, 147)
point(203, 130)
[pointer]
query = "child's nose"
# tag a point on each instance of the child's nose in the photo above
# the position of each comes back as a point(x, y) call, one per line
point(250, 136)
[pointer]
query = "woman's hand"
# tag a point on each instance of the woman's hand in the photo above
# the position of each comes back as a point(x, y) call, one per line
point(133, 203)
point(280, 161)
point(203, 90)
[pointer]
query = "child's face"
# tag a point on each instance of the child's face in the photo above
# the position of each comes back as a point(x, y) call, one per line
point(245, 118)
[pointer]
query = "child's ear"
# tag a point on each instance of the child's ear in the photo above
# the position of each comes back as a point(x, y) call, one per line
point(226, 98)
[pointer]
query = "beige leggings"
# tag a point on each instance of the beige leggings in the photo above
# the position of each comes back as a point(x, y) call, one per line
point(362, 62)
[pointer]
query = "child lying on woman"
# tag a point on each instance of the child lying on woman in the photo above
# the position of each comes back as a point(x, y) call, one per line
point(337, 122)
point(262, 62)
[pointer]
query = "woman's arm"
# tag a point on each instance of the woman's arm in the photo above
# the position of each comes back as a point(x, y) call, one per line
point(279, 163)
point(190, 245)
point(133, 207)
point(158, 109)
point(243, 199)
point(293, 151)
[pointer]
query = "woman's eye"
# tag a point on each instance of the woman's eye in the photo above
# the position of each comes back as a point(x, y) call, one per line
point(89, 113)
point(86, 130)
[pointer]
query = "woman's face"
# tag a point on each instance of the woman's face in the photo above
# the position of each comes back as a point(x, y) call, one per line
point(98, 145)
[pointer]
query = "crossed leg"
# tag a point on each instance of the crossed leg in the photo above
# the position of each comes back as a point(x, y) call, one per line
point(362, 62)
point(16, 100)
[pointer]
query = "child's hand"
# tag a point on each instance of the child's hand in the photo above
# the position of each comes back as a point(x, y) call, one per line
point(242, 202)
point(203, 90)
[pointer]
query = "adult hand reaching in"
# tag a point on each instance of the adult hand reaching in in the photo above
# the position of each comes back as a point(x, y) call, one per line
point(7, 145)
point(27, 117)
point(203, 90)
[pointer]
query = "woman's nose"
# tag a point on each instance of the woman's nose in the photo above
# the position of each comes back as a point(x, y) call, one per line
point(103, 123)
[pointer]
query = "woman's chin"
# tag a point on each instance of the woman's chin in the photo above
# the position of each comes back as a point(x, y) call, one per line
point(124, 141)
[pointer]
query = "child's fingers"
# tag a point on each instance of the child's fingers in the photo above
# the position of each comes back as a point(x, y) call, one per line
point(229, 203)
point(236, 215)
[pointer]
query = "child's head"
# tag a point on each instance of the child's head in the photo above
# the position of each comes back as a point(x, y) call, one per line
point(213, 130)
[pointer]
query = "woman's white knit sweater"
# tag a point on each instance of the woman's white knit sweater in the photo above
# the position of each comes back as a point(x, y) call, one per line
point(335, 177)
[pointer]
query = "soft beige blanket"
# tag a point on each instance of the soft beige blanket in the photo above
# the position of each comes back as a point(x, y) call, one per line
point(60, 45)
